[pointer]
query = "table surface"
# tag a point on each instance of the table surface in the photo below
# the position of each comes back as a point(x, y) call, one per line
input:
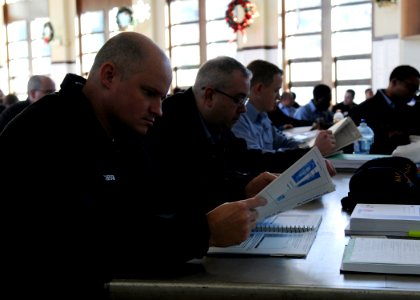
point(317, 276)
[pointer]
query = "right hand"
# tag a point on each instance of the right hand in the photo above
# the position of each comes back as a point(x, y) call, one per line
point(325, 141)
point(231, 223)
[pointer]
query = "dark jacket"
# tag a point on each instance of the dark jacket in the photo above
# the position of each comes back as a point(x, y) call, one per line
point(207, 170)
point(12, 111)
point(391, 126)
point(79, 208)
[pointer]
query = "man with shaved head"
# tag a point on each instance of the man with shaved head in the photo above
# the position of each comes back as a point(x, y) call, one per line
point(81, 202)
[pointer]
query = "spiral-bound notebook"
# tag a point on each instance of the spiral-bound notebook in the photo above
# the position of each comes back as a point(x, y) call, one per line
point(284, 234)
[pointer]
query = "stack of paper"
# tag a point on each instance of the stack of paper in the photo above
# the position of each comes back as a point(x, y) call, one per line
point(352, 161)
point(381, 255)
point(384, 219)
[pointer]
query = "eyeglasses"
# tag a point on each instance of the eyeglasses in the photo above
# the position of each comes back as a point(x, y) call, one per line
point(46, 91)
point(238, 101)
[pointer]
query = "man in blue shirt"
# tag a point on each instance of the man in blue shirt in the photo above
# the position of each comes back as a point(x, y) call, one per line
point(317, 110)
point(255, 126)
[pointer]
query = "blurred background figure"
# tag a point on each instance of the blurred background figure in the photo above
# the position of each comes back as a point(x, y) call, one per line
point(369, 93)
point(38, 87)
point(346, 104)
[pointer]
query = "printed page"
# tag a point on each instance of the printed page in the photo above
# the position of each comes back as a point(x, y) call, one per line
point(295, 244)
point(305, 180)
point(380, 250)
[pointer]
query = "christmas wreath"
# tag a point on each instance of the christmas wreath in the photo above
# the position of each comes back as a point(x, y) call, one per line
point(48, 32)
point(232, 20)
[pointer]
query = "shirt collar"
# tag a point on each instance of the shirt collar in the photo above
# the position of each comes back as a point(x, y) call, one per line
point(253, 114)
point(388, 101)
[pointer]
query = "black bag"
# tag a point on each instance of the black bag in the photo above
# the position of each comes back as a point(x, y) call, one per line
point(387, 180)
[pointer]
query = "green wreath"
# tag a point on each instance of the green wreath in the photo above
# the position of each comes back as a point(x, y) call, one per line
point(232, 21)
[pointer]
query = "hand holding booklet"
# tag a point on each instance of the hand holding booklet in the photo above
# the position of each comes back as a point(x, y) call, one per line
point(287, 234)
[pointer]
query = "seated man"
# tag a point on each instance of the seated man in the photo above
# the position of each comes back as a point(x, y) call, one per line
point(317, 110)
point(82, 200)
point(193, 138)
point(346, 104)
point(255, 126)
point(388, 114)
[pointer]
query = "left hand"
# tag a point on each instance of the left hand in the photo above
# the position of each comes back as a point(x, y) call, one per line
point(258, 183)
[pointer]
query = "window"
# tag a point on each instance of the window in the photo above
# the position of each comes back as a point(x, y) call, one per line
point(208, 36)
point(27, 51)
point(327, 41)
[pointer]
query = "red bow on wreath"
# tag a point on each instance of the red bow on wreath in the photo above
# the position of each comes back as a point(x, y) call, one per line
point(232, 20)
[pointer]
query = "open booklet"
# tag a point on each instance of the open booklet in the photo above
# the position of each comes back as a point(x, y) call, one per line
point(345, 133)
point(285, 234)
point(306, 180)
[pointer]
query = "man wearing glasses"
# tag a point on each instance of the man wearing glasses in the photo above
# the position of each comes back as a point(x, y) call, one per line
point(193, 139)
point(389, 114)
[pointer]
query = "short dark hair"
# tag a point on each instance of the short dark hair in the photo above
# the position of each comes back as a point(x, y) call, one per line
point(404, 72)
point(321, 90)
point(352, 92)
point(263, 71)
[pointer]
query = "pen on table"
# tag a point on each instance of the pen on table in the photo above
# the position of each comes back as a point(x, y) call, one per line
point(414, 233)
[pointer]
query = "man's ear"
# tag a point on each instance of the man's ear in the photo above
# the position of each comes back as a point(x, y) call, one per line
point(107, 74)
point(208, 96)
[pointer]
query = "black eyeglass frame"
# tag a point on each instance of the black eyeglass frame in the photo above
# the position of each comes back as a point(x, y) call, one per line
point(237, 101)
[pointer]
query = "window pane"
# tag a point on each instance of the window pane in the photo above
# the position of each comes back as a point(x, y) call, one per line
point(41, 65)
point(179, 36)
point(295, 4)
point(354, 69)
point(216, 9)
point(219, 49)
point(342, 17)
point(303, 94)
point(306, 71)
point(218, 31)
point(186, 78)
point(92, 42)
point(185, 56)
point(17, 31)
point(92, 22)
point(18, 49)
point(87, 62)
point(338, 2)
point(303, 21)
point(341, 42)
point(303, 46)
point(184, 11)
point(19, 67)
point(40, 48)
point(19, 85)
point(37, 28)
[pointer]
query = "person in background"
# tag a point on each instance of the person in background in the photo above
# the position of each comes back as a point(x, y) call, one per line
point(317, 110)
point(387, 113)
point(255, 127)
point(369, 93)
point(346, 104)
point(38, 87)
point(82, 200)
point(286, 104)
point(8, 100)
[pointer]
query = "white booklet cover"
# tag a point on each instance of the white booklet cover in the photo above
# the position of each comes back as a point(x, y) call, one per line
point(306, 180)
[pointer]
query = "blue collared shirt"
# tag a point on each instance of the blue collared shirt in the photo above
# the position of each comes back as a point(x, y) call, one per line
point(310, 113)
point(288, 110)
point(256, 128)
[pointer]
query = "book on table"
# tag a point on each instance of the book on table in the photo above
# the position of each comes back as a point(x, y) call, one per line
point(352, 161)
point(384, 219)
point(382, 255)
point(284, 234)
point(345, 132)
